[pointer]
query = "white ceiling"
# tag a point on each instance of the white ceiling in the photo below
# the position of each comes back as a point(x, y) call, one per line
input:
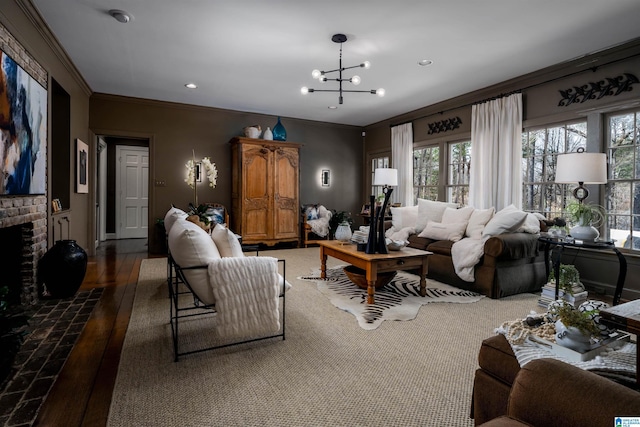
point(255, 55)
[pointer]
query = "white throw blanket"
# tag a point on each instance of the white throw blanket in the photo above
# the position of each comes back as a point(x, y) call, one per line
point(246, 291)
point(465, 254)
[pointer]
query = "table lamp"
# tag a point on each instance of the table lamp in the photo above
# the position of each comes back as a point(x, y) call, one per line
point(583, 168)
point(386, 177)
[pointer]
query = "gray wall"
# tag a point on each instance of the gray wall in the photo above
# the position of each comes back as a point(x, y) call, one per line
point(174, 130)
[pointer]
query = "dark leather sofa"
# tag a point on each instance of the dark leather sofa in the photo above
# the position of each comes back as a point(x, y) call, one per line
point(513, 263)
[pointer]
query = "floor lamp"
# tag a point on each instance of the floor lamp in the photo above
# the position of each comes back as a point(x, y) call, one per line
point(386, 178)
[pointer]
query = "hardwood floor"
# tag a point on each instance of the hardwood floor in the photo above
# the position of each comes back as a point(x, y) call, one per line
point(82, 393)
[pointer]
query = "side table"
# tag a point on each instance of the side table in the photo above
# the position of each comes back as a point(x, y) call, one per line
point(627, 318)
point(554, 242)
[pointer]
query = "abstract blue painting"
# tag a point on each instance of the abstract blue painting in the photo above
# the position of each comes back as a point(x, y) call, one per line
point(23, 131)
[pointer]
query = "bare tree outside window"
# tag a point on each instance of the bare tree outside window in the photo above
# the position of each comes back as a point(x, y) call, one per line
point(623, 187)
point(540, 149)
point(426, 171)
point(459, 172)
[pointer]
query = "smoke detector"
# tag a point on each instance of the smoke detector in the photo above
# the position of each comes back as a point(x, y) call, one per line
point(121, 15)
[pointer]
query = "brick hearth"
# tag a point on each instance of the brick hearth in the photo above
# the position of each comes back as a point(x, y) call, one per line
point(29, 212)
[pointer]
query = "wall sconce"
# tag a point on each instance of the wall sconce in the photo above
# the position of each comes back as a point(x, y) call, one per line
point(324, 178)
point(198, 171)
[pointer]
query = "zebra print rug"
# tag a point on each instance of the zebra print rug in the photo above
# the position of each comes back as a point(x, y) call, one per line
point(398, 300)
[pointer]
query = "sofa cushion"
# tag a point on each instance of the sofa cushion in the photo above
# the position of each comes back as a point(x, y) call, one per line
point(477, 221)
point(226, 241)
point(453, 231)
point(430, 210)
point(403, 217)
point(507, 220)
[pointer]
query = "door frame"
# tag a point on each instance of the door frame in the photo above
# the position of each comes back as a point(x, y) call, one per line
point(93, 218)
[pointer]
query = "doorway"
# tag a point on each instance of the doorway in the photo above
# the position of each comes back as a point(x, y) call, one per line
point(123, 188)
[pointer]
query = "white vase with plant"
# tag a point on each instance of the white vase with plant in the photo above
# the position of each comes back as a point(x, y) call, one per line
point(585, 217)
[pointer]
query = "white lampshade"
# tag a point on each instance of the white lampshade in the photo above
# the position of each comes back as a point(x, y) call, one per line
point(588, 168)
point(385, 176)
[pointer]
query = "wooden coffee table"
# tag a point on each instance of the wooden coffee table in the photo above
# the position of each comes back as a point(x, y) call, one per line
point(372, 264)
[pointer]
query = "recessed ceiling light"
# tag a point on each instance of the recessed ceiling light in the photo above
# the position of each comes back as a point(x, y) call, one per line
point(425, 62)
point(332, 107)
point(191, 85)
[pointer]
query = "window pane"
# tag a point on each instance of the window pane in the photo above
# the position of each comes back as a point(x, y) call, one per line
point(576, 136)
point(555, 140)
point(621, 130)
point(618, 198)
point(621, 163)
point(426, 166)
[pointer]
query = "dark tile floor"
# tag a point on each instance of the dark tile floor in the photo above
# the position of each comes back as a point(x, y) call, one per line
point(55, 326)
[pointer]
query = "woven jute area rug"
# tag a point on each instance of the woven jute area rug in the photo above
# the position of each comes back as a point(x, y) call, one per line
point(328, 372)
point(397, 300)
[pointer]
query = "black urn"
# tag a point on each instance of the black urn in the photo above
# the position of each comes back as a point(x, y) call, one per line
point(62, 269)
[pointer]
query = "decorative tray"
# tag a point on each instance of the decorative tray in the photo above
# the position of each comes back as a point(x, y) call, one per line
point(615, 341)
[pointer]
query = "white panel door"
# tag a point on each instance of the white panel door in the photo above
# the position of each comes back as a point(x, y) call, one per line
point(132, 189)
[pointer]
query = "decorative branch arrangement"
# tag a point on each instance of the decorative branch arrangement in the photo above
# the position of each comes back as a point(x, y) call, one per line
point(596, 90)
point(444, 125)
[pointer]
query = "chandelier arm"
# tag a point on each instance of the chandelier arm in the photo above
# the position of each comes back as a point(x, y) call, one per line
point(372, 91)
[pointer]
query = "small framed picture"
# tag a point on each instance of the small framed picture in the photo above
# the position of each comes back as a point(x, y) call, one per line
point(82, 167)
point(366, 209)
point(56, 206)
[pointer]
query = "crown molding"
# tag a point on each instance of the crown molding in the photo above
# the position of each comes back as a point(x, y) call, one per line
point(51, 40)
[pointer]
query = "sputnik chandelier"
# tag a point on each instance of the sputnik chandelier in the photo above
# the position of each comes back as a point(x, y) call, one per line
point(355, 80)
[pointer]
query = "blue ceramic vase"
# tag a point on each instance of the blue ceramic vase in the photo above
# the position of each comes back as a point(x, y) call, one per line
point(279, 132)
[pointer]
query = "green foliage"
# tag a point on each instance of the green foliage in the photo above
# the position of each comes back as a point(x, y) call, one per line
point(201, 211)
point(568, 276)
point(581, 320)
point(586, 213)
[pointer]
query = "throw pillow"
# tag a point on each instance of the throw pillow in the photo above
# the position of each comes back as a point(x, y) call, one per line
point(400, 235)
point(452, 231)
point(479, 218)
point(311, 212)
point(430, 210)
point(404, 217)
point(191, 246)
point(226, 242)
point(457, 215)
point(531, 224)
point(506, 220)
point(172, 216)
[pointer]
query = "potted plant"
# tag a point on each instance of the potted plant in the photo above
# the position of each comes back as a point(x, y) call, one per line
point(569, 279)
point(574, 328)
point(586, 217)
point(338, 218)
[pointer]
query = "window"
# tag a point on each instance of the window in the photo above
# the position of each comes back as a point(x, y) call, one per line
point(458, 172)
point(426, 170)
point(623, 188)
point(540, 149)
point(378, 162)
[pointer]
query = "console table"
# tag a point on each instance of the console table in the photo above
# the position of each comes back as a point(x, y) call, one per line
point(554, 242)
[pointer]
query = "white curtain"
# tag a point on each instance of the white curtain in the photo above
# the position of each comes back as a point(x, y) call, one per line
point(402, 160)
point(496, 159)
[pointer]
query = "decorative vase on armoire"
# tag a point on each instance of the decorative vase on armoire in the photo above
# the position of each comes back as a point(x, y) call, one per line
point(279, 132)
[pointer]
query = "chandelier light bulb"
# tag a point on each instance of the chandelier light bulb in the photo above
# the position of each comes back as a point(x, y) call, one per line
point(322, 79)
point(304, 90)
point(355, 80)
point(380, 92)
point(366, 65)
point(316, 74)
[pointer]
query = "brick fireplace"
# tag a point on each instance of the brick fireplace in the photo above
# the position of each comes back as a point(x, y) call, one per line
point(29, 214)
